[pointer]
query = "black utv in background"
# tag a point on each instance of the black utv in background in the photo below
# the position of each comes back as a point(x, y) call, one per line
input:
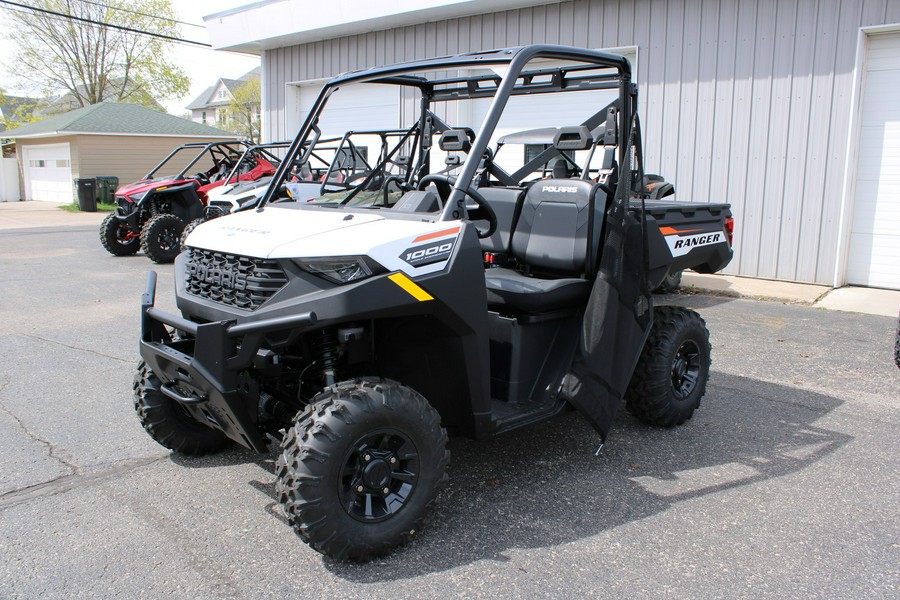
point(448, 289)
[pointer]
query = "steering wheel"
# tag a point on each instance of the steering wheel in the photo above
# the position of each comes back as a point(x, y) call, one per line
point(444, 184)
point(202, 178)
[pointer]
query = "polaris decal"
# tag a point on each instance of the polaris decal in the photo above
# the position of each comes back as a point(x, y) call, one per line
point(568, 189)
point(679, 245)
point(427, 254)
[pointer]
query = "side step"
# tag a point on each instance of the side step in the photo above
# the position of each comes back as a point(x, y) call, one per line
point(508, 416)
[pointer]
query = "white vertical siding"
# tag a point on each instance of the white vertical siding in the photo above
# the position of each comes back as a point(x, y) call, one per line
point(744, 101)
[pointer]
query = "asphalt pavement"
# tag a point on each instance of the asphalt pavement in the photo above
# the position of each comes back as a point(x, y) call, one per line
point(783, 485)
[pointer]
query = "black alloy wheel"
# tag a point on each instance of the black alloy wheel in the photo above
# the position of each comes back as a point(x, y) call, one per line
point(380, 474)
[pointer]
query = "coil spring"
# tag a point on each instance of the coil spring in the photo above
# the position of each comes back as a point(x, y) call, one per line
point(326, 349)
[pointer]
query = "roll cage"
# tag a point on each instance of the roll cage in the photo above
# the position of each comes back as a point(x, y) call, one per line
point(608, 126)
point(218, 152)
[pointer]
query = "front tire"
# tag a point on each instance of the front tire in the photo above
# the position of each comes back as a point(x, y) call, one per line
point(117, 237)
point(161, 238)
point(168, 423)
point(670, 378)
point(187, 231)
point(360, 466)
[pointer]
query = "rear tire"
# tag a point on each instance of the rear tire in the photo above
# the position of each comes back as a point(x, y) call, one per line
point(168, 423)
point(360, 467)
point(670, 378)
point(161, 238)
point(670, 284)
point(113, 232)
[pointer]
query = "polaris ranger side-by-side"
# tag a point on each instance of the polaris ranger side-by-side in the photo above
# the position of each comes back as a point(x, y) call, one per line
point(450, 288)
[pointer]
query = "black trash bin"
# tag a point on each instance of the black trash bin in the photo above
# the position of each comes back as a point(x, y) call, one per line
point(86, 189)
point(106, 189)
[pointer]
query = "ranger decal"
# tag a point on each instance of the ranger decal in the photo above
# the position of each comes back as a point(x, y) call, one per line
point(679, 245)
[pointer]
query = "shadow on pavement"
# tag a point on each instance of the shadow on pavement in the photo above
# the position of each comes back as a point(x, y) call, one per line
point(543, 486)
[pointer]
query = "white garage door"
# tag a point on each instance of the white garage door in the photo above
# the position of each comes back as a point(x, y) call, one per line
point(364, 106)
point(48, 172)
point(875, 236)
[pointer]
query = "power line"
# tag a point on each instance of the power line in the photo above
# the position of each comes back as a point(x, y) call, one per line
point(134, 12)
point(107, 25)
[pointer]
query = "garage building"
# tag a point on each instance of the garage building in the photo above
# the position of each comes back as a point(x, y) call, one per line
point(106, 139)
point(785, 108)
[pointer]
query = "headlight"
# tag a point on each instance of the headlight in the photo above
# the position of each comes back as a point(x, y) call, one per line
point(341, 269)
point(138, 197)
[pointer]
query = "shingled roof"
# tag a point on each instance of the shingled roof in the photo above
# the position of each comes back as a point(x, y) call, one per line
point(116, 117)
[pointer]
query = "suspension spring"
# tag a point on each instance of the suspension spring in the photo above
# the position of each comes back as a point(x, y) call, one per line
point(326, 348)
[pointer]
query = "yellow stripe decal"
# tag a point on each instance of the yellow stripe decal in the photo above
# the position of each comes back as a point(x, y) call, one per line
point(410, 287)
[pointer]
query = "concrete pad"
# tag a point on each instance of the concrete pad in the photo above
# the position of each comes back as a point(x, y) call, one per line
point(35, 214)
point(870, 301)
point(748, 287)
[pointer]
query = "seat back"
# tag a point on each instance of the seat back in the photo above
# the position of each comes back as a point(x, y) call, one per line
point(555, 226)
point(506, 203)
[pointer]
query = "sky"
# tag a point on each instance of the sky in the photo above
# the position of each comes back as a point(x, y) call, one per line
point(202, 65)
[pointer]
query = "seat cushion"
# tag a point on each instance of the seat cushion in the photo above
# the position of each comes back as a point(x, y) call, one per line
point(513, 290)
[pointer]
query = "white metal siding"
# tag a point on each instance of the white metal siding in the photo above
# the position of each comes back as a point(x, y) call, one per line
point(875, 235)
point(742, 101)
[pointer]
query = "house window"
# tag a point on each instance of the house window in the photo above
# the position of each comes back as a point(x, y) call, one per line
point(221, 94)
point(61, 164)
point(203, 117)
point(37, 164)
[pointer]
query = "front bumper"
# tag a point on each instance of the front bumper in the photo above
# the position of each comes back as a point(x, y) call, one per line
point(201, 370)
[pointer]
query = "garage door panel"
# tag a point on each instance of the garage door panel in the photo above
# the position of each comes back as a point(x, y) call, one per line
point(48, 172)
point(877, 208)
point(875, 231)
point(873, 257)
point(879, 163)
point(365, 106)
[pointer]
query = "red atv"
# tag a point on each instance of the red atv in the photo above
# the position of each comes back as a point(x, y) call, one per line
point(151, 213)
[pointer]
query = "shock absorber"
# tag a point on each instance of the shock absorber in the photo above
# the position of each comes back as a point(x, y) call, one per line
point(326, 348)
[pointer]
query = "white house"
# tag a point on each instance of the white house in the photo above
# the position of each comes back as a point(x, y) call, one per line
point(209, 107)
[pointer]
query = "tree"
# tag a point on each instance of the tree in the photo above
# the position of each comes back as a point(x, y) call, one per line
point(90, 63)
point(243, 111)
point(16, 111)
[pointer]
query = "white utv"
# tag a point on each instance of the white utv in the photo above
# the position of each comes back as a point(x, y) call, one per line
point(439, 292)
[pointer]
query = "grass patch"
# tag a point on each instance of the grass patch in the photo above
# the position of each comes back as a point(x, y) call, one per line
point(101, 207)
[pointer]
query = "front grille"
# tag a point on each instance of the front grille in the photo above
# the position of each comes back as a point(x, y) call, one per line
point(239, 281)
point(217, 209)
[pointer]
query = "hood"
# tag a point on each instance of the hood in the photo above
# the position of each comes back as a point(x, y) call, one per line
point(147, 184)
point(260, 234)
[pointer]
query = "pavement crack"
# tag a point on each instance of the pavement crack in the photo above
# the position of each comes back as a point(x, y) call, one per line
point(51, 449)
point(65, 483)
point(71, 347)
